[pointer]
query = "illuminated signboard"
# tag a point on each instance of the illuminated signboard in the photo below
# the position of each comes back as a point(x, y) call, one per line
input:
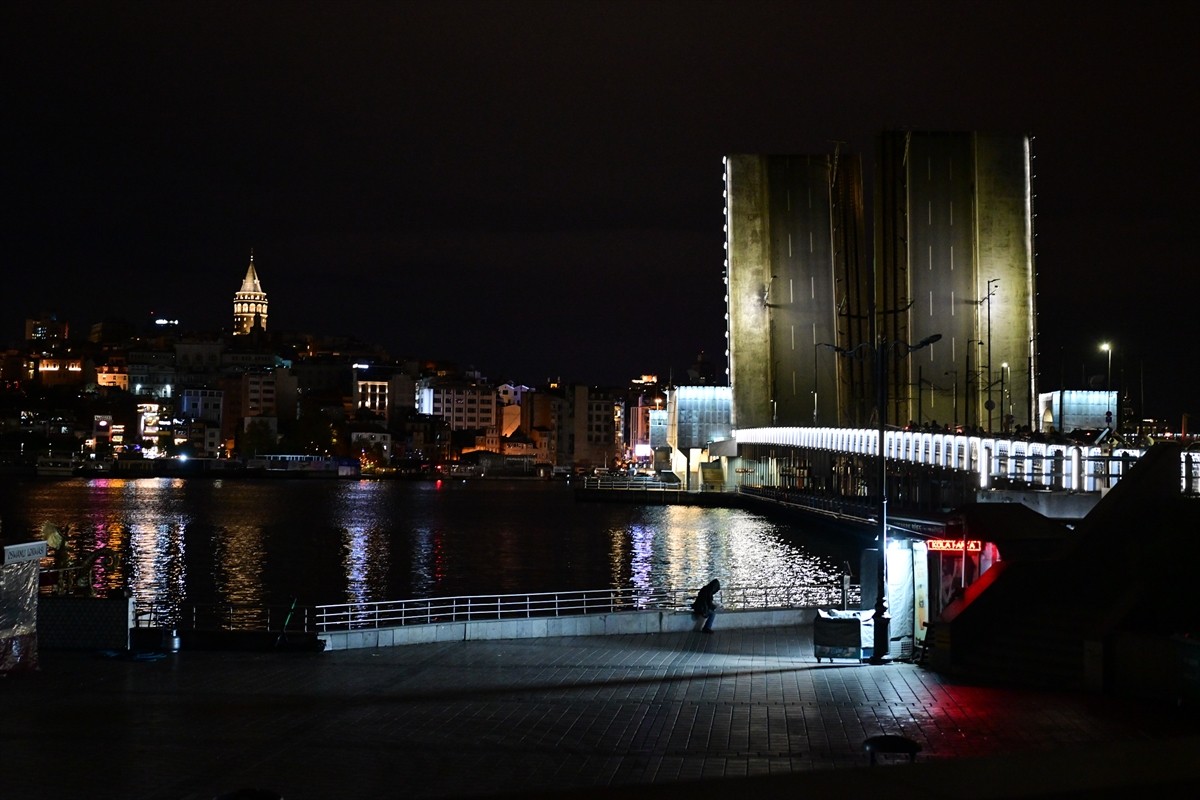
point(955, 545)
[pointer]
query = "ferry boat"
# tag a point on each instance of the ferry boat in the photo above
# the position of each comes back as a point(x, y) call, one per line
point(52, 466)
point(302, 466)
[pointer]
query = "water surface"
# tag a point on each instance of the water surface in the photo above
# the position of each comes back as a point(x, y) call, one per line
point(267, 542)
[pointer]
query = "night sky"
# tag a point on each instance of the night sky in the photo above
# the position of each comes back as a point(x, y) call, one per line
point(535, 188)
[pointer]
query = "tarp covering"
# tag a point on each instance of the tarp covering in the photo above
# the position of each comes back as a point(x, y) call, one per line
point(18, 616)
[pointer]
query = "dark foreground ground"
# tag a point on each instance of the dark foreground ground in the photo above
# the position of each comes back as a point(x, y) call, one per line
point(662, 716)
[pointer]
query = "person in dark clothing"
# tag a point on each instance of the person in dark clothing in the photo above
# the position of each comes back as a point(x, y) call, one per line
point(705, 604)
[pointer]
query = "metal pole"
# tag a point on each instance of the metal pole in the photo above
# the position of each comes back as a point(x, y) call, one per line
point(967, 387)
point(920, 393)
point(954, 372)
point(880, 647)
point(814, 389)
point(1003, 415)
point(990, 404)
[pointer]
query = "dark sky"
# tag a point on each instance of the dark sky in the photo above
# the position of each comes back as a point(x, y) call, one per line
point(535, 188)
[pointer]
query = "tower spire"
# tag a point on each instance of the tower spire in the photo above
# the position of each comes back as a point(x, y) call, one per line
point(249, 302)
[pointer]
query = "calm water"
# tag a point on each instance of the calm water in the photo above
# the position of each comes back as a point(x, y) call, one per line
point(325, 541)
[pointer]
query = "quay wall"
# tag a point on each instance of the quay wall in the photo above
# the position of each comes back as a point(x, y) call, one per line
point(616, 623)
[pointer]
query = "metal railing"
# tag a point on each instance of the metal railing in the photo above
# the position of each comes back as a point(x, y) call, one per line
point(627, 483)
point(472, 608)
point(223, 617)
point(395, 613)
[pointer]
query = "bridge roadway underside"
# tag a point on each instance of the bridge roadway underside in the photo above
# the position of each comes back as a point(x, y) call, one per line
point(842, 487)
point(851, 481)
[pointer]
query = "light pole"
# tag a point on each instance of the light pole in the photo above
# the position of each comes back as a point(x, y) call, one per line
point(954, 372)
point(1107, 348)
point(816, 380)
point(1003, 406)
point(881, 349)
point(967, 387)
point(989, 405)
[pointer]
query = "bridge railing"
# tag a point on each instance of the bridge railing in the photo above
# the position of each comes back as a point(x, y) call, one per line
point(1048, 465)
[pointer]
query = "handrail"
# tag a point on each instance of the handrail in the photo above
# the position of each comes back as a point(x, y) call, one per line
point(222, 616)
point(395, 613)
point(653, 484)
point(469, 608)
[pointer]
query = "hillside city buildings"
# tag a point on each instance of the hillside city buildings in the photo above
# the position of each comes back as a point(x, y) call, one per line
point(249, 391)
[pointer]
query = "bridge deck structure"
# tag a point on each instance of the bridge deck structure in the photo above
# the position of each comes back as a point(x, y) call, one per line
point(992, 461)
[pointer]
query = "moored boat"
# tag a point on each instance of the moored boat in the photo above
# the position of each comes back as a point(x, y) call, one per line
point(52, 466)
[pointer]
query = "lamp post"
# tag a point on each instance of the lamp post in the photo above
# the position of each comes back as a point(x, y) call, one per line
point(954, 372)
point(1107, 348)
point(989, 405)
point(967, 376)
point(816, 380)
point(881, 349)
point(1003, 406)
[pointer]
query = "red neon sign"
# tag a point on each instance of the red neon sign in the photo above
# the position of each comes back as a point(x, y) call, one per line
point(955, 545)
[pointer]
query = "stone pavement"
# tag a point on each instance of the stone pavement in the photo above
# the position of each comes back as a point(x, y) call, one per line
point(665, 715)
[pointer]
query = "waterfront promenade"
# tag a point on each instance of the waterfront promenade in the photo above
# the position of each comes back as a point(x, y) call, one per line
point(669, 715)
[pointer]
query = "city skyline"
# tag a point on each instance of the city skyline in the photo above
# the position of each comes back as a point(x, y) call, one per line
point(534, 188)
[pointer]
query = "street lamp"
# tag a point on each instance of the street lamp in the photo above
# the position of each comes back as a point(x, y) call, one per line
point(954, 372)
point(989, 405)
point(816, 347)
point(1107, 348)
point(1003, 406)
point(967, 377)
point(880, 350)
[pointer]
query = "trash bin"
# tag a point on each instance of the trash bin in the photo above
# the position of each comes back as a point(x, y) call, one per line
point(841, 634)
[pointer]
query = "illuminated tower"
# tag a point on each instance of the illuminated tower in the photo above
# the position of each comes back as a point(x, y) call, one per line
point(249, 303)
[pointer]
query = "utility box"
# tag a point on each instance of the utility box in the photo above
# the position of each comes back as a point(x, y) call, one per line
point(843, 634)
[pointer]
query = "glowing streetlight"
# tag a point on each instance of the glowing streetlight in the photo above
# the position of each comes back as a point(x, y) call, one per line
point(1107, 348)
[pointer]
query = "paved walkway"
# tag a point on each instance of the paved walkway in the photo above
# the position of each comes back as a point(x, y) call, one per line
point(616, 716)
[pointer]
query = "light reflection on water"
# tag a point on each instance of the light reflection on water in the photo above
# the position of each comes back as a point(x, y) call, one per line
point(269, 542)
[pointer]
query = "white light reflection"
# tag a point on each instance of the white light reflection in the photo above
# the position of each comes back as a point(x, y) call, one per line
point(362, 514)
point(682, 548)
point(238, 564)
point(157, 566)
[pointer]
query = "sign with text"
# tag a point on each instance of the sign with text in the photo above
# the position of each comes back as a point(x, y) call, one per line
point(20, 553)
point(955, 545)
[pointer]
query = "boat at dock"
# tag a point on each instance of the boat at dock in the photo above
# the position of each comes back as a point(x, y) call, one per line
point(52, 466)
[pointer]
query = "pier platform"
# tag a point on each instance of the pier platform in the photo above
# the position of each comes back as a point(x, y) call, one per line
point(663, 715)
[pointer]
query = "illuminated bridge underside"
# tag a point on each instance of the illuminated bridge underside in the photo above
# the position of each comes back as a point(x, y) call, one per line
point(1073, 468)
